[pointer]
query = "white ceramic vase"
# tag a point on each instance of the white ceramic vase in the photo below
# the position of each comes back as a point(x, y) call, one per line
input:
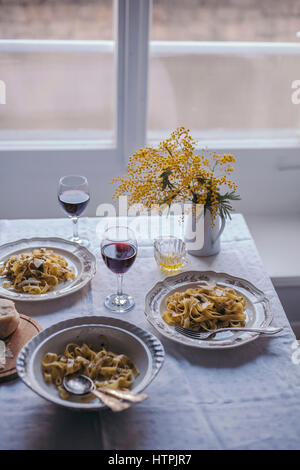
point(202, 237)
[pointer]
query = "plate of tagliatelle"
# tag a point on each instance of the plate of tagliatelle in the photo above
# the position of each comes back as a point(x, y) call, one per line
point(36, 269)
point(113, 353)
point(205, 301)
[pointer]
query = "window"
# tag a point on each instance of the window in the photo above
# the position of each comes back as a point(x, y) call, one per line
point(224, 69)
point(57, 60)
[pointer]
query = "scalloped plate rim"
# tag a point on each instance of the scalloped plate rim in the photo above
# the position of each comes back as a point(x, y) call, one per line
point(185, 341)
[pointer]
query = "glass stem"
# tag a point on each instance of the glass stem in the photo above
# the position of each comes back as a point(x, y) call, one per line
point(120, 284)
point(75, 227)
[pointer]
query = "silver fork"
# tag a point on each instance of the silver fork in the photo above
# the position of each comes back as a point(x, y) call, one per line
point(270, 330)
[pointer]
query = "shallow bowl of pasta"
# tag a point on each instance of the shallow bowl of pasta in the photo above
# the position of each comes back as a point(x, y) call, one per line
point(205, 301)
point(113, 353)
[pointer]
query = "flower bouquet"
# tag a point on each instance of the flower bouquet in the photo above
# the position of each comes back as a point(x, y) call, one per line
point(174, 172)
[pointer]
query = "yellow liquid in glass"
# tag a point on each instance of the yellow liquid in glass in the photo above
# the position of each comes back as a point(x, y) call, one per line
point(171, 261)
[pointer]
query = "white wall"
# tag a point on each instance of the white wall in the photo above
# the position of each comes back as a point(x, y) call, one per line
point(28, 180)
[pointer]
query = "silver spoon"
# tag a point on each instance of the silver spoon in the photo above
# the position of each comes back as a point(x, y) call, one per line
point(85, 385)
point(82, 385)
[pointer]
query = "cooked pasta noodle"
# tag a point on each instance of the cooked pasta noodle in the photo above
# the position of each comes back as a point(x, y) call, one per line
point(206, 308)
point(105, 368)
point(36, 272)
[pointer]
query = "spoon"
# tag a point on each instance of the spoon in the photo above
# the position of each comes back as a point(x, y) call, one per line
point(125, 394)
point(82, 385)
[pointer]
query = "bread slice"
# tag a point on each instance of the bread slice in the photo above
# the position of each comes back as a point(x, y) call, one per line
point(9, 318)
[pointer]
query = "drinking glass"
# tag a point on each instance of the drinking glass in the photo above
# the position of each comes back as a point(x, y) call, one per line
point(74, 196)
point(119, 250)
point(170, 253)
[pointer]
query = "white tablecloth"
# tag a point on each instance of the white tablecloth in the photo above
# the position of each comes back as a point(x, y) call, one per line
point(245, 398)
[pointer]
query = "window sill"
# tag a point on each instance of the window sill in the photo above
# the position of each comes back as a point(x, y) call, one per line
point(57, 140)
point(27, 145)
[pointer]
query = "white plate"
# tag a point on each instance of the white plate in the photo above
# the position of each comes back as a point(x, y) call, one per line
point(258, 312)
point(144, 349)
point(79, 258)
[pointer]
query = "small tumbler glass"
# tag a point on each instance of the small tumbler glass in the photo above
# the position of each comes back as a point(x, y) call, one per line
point(170, 253)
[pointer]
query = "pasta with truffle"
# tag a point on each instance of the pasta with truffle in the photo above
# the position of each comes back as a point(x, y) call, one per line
point(35, 272)
point(206, 308)
point(105, 368)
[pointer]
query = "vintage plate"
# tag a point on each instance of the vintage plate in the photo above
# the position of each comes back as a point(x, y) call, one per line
point(79, 258)
point(258, 312)
point(119, 335)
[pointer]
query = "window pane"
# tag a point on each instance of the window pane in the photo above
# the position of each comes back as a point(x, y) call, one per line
point(63, 88)
point(56, 19)
point(224, 20)
point(223, 90)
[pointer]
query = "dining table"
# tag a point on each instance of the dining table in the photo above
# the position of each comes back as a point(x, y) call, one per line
point(246, 397)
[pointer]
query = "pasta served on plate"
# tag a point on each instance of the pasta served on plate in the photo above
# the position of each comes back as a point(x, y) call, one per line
point(206, 307)
point(105, 368)
point(35, 272)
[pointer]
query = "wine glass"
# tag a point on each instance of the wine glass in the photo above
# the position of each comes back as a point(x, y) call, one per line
point(119, 250)
point(73, 196)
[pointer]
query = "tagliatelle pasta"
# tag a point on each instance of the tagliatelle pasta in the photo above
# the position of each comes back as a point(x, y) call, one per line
point(36, 272)
point(206, 307)
point(105, 368)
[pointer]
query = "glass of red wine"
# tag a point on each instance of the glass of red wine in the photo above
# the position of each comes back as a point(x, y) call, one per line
point(74, 196)
point(119, 250)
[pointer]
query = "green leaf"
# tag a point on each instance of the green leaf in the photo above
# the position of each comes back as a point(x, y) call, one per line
point(200, 179)
point(229, 196)
point(165, 179)
point(225, 207)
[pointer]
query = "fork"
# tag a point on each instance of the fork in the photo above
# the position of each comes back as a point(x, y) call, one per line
point(271, 330)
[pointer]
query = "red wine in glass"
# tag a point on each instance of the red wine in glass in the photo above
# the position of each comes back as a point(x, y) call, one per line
point(119, 250)
point(74, 201)
point(118, 256)
point(74, 196)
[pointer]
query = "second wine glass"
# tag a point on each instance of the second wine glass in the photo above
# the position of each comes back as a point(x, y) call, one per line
point(74, 196)
point(119, 250)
